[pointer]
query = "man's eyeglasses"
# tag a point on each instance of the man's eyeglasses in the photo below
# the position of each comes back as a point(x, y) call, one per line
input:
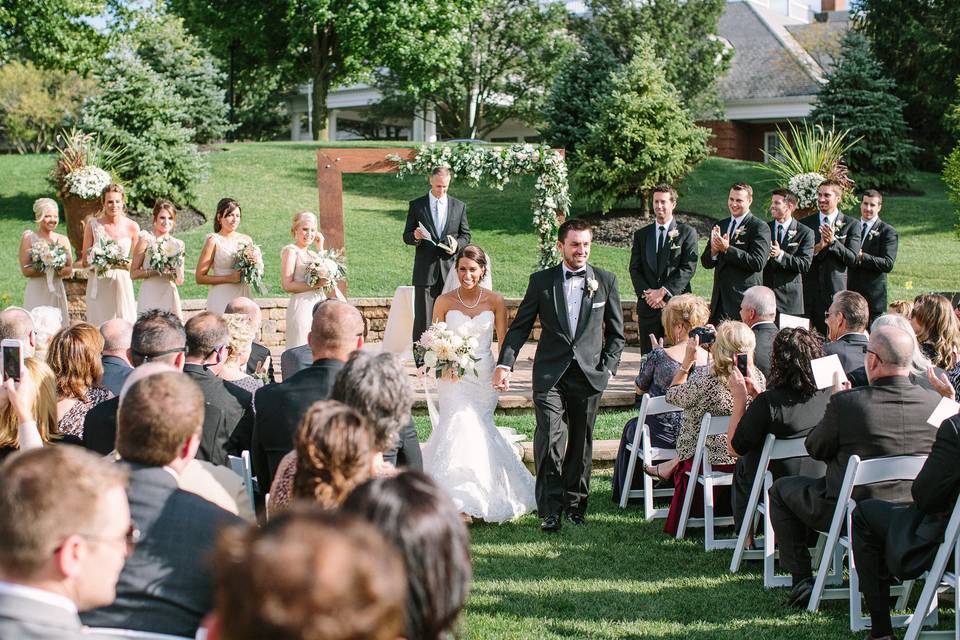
point(146, 357)
point(875, 355)
point(130, 538)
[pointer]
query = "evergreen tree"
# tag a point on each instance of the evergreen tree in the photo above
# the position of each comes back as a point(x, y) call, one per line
point(858, 97)
point(642, 135)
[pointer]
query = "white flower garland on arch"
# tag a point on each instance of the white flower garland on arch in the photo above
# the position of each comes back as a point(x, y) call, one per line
point(493, 166)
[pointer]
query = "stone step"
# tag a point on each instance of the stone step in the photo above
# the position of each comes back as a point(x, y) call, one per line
point(604, 453)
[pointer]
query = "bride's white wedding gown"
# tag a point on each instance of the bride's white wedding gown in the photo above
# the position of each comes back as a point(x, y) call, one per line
point(466, 454)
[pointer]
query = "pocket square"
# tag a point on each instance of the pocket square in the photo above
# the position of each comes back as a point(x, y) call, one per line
point(793, 244)
point(597, 305)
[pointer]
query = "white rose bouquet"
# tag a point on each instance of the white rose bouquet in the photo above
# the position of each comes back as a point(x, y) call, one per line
point(88, 182)
point(107, 254)
point(48, 258)
point(166, 256)
point(329, 265)
point(249, 263)
point(445, 351)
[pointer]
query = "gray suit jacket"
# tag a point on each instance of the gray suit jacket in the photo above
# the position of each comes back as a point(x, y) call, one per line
point(294, 360)
point(115, 372)
point(165, 585)
point(26, 619)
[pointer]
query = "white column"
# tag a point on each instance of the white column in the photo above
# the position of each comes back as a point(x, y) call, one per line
point(417, 129)
point(430, 125)
point(332, 125)
point(294, 124)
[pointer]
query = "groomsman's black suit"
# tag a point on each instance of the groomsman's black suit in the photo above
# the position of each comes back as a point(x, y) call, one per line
point(828, 273)
point(672, 267)
point(785, 276)
point(868, 276)
point(570, 373)
point(918, 528)
point(850, 348)
point(886, 418)
point(235, 406)
point(739, 267)
point(431, 263)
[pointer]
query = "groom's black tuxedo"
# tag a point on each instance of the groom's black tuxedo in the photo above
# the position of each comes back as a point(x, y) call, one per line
point(672, 268)
point(570, 372)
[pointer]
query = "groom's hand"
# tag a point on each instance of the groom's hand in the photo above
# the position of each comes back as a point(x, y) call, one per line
point(501, 379)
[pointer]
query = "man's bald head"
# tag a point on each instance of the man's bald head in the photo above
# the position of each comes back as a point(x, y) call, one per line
point(337, 330)
point(247, 307)
point(16, 323)
point(116, 336)
point(893, 347)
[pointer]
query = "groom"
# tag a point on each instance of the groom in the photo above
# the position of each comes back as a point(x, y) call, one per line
point(581, 339)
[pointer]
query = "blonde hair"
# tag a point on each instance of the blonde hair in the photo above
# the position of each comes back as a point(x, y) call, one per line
point(42, 205)
point(732, 338)
point(113, 187)
point(301, 215)
point(939, 329)
point(901, 308)
point(43, 401)
point(241, 333)
point(686, 311)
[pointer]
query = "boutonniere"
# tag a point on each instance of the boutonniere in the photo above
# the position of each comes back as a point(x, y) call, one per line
point(674, 247)
point(837, 226)
point(740, 230)
point(592, 286)
point(673, 233)
point(873, 233)
point(791, 233)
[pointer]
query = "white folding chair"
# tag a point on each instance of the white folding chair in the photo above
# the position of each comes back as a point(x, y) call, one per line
point(641, 449)
point(773, 449)
point(937, 579)
point(701, 472)
point(859, 473)
point(130, 634)
point(242, 466)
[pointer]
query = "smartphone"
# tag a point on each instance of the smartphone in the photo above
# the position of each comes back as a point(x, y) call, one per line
point(11, 353)
point(741, 359)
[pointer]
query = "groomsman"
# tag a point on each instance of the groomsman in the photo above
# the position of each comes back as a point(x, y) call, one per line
point(791, 252)
point(738, 251)
point(836, 246)
point(662, 263)
point(878, 252)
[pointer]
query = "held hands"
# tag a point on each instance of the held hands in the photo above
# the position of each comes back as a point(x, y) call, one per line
point(654, 297)
point(501, 379)
point(419, 234)
point(840, 382)
point(775, 250)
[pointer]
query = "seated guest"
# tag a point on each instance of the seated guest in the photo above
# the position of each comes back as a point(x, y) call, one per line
point(116, 344)
point(758, 311)
point(28, 409)
point(307, 575)
point(901, 308)
point(938, 331)
point(901, 540)
point(415, 514)
point(74, 356)
point(682, 313)
point(296, 359)
point(920, 366)
point(699, 392)
point(207, 341)
point(233, 368)
point(259, 362)
point(16, 323)
point(789, 408)
point(46, 322)
point(165, 586)
point(65, 530)
point(333, 454)
point(847, 329)
point(886, 418)
point(336, 332)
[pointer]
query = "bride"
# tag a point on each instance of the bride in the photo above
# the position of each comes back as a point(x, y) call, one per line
point(465, 453)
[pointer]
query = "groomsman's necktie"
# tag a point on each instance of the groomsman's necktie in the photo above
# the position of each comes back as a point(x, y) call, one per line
point(662, 236)
point(863, 232)
point(779, 235)
point(733, 227)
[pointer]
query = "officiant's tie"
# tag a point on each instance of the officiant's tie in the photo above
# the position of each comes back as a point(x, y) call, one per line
point(661, 237)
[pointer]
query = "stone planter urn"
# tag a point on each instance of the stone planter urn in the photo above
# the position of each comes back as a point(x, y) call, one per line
point(76, 211)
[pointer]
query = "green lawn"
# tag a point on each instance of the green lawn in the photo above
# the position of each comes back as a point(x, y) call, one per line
point(609, 424)
point(274, 180)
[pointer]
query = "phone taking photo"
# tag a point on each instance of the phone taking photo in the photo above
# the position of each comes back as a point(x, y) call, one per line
point(11, 355)
point(741, 359)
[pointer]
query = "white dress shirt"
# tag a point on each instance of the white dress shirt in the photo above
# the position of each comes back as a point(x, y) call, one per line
point(573, 296)
point(777, 226)
point(870, 225)
point(38, 595)
point(829, 219)
point(438, 209)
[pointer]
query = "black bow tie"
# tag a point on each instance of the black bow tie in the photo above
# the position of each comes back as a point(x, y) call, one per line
point(575, 274)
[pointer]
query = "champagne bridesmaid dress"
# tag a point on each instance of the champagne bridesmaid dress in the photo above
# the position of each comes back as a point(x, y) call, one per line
point(110, 295)
point(300, 307)
point(158, 292)
point(224, 257)
point(47, 290)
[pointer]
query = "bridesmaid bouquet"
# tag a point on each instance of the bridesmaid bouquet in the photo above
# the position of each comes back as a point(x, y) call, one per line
point(107, 254)
point(329, 265)
point(48, 258)
point(249, 263)
point(442, 350)
point(165, 256)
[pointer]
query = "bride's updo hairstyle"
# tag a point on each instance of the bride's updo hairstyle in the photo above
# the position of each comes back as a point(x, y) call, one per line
point(475, 253)
point(113, 187)
point(225, 206)
point(298, 219)
point(42, 205)
point(164, 205)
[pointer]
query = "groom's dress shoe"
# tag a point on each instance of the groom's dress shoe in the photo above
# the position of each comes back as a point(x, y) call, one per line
point(550, 524)
point(576, 519)
point(800, 594)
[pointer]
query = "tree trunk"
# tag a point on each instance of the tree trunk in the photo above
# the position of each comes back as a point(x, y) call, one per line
point(321, 83)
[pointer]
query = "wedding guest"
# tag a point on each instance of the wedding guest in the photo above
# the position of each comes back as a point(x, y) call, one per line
point(847, 329)
point(333, 454)
point(46, 322)
point(16, 323)
point(158, 290)
point(116, 344)
point(233, 367)
point(260, 362)
point(886, 418)
point(28, 409)
point(791, 253)
point(164, 586)
point(920, 366)
point(295, 359)
point(758, 311)
point(215, 266)
point(703, 391)
point(901, 307)
point(339, 580)
point(295, 259)
point(110, 294)
point(789, 408)
point(681, 314)
point(45, 287)
point(74, 357)
point(415, 514)
point(66, 532)
point(938, 331)
point(336, 332)
point(878, 253)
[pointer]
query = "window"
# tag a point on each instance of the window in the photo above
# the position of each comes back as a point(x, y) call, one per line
point(771, 146)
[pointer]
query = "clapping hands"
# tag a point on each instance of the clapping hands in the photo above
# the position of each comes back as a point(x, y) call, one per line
point(718, 242)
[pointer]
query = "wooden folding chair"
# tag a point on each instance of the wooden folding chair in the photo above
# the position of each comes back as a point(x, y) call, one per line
point(641, 449)
point(701, 472)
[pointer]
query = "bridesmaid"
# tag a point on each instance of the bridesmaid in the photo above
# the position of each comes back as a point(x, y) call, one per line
point(41, 291)
point(158, 291)
point(294, 260)
point(219, 254)
point(110, 295)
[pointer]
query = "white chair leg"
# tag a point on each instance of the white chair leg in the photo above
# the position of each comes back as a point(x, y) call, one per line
point(631, 468)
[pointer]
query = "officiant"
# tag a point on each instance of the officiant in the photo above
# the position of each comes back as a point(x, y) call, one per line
point(437, 227)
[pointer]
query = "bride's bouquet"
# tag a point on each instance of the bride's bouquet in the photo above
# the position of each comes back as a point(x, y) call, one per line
point(329, 265)
point(249, 263)
point(443, 350)
point(165, 256)
point(48, 258)
point(107, 254)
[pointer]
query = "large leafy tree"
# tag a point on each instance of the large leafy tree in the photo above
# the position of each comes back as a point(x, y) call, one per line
point(53, 34)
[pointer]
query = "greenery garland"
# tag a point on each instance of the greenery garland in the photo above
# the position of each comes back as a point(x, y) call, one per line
point(493, 166)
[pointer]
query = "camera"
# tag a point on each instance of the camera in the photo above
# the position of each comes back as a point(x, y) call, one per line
point(706, 335)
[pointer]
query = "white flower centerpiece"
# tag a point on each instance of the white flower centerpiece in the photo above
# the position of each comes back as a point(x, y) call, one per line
point(166, 256)
point(330, 265)
point(805, 186)
point(87, 182)
point(249, 263)
point(447, 352)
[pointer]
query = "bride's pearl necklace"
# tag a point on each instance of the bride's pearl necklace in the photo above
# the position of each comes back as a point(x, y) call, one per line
point(469, 306)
